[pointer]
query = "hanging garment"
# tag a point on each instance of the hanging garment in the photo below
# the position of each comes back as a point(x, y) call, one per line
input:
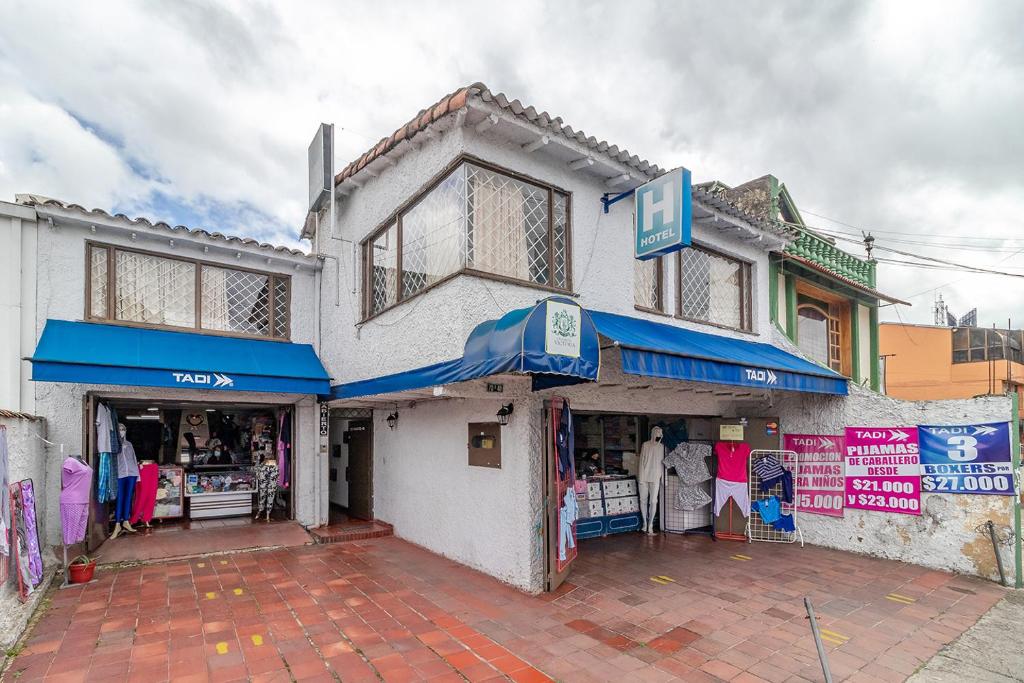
point(674, 433)
point(103, 428)
point(785, 523)
point(284, 449)
point(770, 509)
point(5, 506)
point(104, 491)
point(125, 490)
point(76, 481)
point(786, 479)
point(115, 435)
point(266, 487)
point(737, 490)
point(567, 516)
point(35, 557)
point(145, 493)
point(689, 462)
point(732, 460)
point(564, 439)
point(768, 467)
point(690, 498)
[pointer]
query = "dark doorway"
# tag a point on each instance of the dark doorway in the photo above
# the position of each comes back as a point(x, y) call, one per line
point(359, 472)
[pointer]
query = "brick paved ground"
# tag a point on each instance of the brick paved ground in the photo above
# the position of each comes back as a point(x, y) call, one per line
point(636, 609)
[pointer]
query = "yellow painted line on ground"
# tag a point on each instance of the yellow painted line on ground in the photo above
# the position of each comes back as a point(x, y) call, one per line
point(211, 595)
point(201, 564)
point(666, 578)
point(237, 591)
point(223, 561)
point(834, 641)
point(902, 599)
point(222, 648)
point(257, 639)
point(825, 633)
point(658, 579)
point(741, 558)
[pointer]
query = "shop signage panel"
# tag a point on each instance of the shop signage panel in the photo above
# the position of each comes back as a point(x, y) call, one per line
point(563, 329)
point(883, 469)
point(663, 215)
point(967, 459)
point(820, 480)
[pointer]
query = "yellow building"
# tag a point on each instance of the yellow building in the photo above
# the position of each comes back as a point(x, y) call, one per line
point(923, 362)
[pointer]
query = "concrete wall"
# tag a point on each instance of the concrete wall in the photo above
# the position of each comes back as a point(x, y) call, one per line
point(17, 304)
point(485, 518)
point(28, 458)
point(945, 535)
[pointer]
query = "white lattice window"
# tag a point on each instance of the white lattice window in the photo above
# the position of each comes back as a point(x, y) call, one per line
point(714, 288)
point(647, 284)
point(477, 219)
point(150, 289)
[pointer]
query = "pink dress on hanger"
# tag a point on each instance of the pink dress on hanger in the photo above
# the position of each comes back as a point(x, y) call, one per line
point(76, 483)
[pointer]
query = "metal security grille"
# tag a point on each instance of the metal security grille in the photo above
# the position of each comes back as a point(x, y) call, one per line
point(647, 283)
point(713, 288)
point(475, 218)
point(98, 274)
point(507, 226)
point(235, 301)
point(384, 270)
point(434, 235)
point(281, 299)
point(154, 290)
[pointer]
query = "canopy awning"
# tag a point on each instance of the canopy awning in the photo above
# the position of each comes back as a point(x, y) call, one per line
point(540, 341)
point(554, 341)
point(93, 353)
point(658, 350)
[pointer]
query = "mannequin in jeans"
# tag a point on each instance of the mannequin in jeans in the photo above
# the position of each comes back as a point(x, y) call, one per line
point(652, 452)
point(127, 475)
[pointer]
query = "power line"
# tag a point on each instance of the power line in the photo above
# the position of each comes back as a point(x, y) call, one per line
point(891, 232)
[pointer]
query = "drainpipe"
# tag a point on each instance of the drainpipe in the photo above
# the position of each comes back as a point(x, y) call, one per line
point(1018, 580)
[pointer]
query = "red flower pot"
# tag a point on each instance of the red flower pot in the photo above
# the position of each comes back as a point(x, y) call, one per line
point(81, 573)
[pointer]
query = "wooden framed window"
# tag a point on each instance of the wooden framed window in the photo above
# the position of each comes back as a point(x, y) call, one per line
point(648, 291)
point(474, 218)
point(819, 336)
point(714, 288)
point(134, 287)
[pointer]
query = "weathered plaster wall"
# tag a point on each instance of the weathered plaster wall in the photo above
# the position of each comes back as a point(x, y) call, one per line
point(945, 535)
point(485, 518)
point(28, 458)
point(434, 326)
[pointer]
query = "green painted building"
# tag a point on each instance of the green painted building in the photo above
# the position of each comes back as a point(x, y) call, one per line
point(822, 298)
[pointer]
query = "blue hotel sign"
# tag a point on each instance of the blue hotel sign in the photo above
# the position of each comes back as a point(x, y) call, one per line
point(663, 215)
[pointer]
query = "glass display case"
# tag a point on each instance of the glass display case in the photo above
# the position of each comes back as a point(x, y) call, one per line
point(219, 491)
point(170, 501)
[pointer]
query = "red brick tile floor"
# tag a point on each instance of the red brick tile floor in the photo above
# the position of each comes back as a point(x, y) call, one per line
point(387, 610)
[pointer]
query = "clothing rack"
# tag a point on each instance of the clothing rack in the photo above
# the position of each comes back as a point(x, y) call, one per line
point(64, 548)
point(699, 521)
point(757, 530)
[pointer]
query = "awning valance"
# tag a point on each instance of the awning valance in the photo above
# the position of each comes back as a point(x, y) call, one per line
point(554, 341)
point(541, 341)
point(93, 353)
point(658, 350)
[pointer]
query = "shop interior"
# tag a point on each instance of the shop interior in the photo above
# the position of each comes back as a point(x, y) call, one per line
point(195, 465)
point(684, 491)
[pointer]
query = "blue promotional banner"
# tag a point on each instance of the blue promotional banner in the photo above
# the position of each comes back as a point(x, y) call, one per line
point(966, 459)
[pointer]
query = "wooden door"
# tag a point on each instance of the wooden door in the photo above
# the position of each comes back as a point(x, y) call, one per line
point(359, 472)
point(555, 488)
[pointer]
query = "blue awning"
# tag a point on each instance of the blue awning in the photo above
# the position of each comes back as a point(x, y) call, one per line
point(658, 350)
point(554, 341)
point(92, 353)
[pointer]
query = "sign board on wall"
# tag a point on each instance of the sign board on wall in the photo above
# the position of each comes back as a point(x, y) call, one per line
point(663, 215)
point(820, 482)
point(967, 459)
point(321, 166)
point(730, 433)
point(883, 469)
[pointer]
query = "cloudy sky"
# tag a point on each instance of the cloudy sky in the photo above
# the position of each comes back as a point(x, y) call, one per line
point(900, 118)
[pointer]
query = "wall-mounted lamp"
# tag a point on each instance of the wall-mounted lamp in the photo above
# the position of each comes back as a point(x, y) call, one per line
point(504, 413)
point(393, 420)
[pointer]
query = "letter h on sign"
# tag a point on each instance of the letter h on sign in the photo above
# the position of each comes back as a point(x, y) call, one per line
point(663, 215)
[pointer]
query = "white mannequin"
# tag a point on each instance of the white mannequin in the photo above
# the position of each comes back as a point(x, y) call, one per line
point(125, 525)
point(652, 452)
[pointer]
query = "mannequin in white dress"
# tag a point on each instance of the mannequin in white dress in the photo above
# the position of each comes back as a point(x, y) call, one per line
point(652, 453)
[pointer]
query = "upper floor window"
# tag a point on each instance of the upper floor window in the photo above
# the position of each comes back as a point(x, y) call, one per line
point(475, 219)
point(818, 334)
point(647, 284)
point(972, 344)
point(127, 286)
point(714, 288)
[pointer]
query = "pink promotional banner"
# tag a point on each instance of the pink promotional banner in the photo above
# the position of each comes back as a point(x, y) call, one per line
point(883, 469)
point(819, 480)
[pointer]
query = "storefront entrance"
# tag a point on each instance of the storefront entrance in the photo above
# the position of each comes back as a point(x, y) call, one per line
point(198, 465)
point(351, 464)
point(615, 496)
